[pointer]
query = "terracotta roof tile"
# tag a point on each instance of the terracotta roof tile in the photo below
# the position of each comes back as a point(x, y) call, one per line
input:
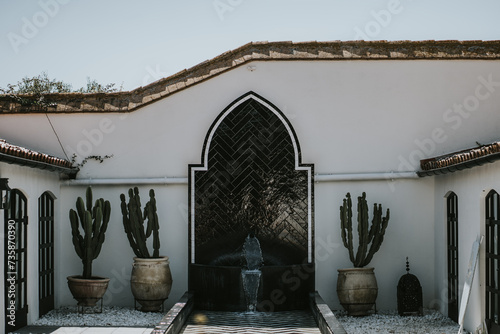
point(261, 51)
point(460, 160)
point(25, 157)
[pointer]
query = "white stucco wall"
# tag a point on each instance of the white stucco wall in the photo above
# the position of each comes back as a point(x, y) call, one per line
point(349, 116)
point(32, 183)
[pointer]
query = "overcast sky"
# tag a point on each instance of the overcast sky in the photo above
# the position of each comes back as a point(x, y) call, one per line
point(137, 42)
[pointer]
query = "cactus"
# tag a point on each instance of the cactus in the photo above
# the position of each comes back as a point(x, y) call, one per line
point(133, 222)
point(94, 222)
point(370, 238)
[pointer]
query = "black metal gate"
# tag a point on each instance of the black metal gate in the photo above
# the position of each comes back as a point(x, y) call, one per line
point(492, 262)
point(452, 245)
point(45, 253)
point(16, 243)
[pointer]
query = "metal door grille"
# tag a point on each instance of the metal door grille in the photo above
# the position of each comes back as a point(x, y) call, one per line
point(452, 242)
point(16, 219)
point(492, 262)
point(46, 253)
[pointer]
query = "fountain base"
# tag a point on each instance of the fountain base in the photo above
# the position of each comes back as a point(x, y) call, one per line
point(281, 288)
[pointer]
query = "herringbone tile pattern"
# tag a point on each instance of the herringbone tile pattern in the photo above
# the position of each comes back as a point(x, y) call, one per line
point(210, 322)
point(251, 184)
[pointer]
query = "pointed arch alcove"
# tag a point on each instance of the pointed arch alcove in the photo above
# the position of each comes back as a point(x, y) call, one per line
point(251, 182)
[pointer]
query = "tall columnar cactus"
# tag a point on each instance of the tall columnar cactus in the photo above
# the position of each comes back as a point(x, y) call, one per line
point(93, 221)
point(133, 222)
point(373, 235)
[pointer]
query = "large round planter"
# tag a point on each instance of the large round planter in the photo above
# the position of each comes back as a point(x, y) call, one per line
point(151, 282)
point(87, 291)
point(357, 290)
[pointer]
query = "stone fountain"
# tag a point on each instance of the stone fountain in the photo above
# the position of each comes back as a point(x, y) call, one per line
point(251, 274)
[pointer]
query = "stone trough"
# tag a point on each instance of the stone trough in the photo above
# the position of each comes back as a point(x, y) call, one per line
point(184, 312)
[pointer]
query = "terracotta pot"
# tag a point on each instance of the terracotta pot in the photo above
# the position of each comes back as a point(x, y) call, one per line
point(151, 282)
point(357, 290)
point(87, 291)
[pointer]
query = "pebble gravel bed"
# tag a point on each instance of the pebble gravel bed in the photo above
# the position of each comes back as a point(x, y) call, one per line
point(390, 322)
point(111, 316)
point(384, 322)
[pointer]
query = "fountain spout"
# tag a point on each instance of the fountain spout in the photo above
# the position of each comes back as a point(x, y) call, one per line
point(252, 253)
point(252, 273)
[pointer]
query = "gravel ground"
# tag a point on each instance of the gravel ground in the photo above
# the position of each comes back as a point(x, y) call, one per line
point(111, 316)
point(432, 322)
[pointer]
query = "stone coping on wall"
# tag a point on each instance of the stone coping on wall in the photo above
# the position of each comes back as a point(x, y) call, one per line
point(255, 51)
point(326, 320)
point(176, 317)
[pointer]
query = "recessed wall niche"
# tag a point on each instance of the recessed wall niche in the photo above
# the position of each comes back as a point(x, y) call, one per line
point(251, 182)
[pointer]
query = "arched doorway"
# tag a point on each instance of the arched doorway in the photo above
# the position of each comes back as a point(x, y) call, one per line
point(251, 182)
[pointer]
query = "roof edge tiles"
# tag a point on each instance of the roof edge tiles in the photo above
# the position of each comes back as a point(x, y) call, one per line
point(453, 162)
point(254, 51)
point(21, 156)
